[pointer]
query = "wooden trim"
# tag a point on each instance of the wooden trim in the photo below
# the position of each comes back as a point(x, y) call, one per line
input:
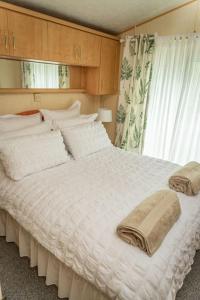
point(156, 17)
point(41, 91)
point(28, 112)
point(45, 61)
point(54, 19)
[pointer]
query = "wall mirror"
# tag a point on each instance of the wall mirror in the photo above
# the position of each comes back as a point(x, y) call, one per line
point(17, 74)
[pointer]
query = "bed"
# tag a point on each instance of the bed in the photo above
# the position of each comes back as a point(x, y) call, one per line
point(65, 220)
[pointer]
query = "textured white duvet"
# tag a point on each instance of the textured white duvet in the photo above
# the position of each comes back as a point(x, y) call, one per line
point(73, 211)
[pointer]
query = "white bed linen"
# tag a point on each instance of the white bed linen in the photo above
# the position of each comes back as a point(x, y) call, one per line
point(70, 285)
point(73, 210)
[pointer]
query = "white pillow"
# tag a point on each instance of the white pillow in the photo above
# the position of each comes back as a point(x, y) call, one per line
point(26, 155)
point(83, 119)
point(8, 116)
point(19, 122)
point(72, 111)
point(37, 129)
point(84, 140)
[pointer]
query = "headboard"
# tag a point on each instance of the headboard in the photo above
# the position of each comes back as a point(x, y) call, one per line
point(29, 112)
point(15, 103)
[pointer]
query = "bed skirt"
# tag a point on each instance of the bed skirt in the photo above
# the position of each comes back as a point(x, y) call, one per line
point(69, 284)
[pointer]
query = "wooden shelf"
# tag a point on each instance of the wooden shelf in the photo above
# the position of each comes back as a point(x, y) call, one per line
point(41, 91)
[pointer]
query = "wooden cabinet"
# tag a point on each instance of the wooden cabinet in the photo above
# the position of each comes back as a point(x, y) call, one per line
point(104, 80)
point(4, 42)
point(72, 46)
point(90, 49)
point(60, 47)
point(27, 36)
point(22, 36)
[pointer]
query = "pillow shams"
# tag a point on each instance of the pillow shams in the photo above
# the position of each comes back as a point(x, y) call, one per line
point(37, 129)
point(82, 119)
point(19, 122)
point(26, 155)
point(8, 116)
point(72, 111)
point(87, 139)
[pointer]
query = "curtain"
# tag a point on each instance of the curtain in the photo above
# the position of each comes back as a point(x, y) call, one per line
point(173, 121)
point(134, 87)
point(41, 75)
point(63, 75)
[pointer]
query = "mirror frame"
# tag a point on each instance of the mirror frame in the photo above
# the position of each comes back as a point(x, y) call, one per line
point(77, 81)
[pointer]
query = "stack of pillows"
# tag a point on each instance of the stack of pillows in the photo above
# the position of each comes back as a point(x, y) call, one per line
point(29, 145)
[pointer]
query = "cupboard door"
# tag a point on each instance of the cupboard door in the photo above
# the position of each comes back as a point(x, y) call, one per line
point(62, 46)
point(28, 36)
point(72, 46)
point(90, 49)
point(109, 66)
point(4, 41)
point(104, 79)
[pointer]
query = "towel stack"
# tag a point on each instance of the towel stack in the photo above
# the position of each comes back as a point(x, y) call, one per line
point(187, 179)
point(147, 225)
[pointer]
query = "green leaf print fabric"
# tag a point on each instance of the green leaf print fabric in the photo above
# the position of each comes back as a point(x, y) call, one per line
point(135, 81)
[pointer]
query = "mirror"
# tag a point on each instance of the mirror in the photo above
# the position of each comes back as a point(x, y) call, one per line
point(15, 74)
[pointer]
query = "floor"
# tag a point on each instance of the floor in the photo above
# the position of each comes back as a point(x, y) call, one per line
point(19, 282)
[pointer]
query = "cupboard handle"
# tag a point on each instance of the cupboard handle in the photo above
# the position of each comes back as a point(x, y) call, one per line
point(101, 84)
point(14, 42)
point(6, 41)
point(75, 52)
point(79, 52)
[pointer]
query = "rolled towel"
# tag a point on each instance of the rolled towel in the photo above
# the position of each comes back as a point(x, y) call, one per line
point(187, 179)
point(147, 225)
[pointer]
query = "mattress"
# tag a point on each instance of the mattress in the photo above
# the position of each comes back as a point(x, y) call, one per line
point(72, 210)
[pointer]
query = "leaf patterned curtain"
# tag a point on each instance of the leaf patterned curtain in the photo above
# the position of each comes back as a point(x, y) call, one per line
point(63, 75)
point(136, 72)
point(27, 77)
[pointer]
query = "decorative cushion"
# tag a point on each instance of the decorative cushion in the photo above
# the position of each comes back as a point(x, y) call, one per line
point(83, 119)
point(36, 129)
point(8, 116)
point(86, 139)
point(72, 111)
point(18, 122)
point(26, 155)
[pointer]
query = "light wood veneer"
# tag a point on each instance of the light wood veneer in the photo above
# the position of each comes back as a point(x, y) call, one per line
point(33, 36)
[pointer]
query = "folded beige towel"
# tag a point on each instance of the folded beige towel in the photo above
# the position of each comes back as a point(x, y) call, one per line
point(187, 179)
point(147, 225)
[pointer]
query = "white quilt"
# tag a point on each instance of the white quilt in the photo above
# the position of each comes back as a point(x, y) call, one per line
point(73, 210)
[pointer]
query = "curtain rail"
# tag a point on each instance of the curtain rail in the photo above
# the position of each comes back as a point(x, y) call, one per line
point(137, 35)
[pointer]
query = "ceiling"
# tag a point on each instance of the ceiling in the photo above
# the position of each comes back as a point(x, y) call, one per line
point(112, 16)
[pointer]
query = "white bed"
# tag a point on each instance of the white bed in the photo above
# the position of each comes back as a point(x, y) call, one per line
point(72, 211)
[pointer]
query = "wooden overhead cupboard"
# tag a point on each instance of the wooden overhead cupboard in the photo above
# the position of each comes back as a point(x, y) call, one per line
point(25, 34)
point(104, 79)
point(22, 36)
point(73, 46)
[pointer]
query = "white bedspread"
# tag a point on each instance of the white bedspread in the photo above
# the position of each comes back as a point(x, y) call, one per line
point(73, 210)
